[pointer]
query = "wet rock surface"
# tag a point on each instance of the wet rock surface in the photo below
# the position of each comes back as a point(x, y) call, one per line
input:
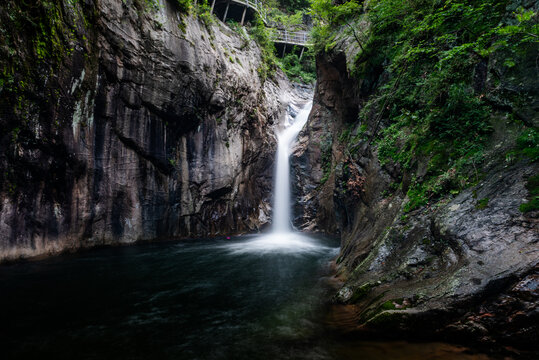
point(159, 127)
point(463, 268)
point(317, 148)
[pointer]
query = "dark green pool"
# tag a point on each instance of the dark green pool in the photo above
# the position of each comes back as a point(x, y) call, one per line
point(243, 298)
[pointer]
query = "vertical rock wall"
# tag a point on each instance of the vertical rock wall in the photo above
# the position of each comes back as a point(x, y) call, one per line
point(462, 267)
point(154, 124)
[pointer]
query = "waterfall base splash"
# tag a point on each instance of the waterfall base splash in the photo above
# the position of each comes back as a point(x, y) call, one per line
point(290, 243)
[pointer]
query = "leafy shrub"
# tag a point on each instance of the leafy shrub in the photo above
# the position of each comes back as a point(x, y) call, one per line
point(528, 144)
point(294, 5)
point(299, 70)
point(203, 11)
point(532, 205)
point(482, 204)
point(461, 115)
point(328, 16)
point(263, 37)
point(184, 5)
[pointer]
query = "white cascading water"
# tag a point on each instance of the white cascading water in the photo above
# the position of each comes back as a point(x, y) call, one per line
point(282, 238)
point(281, 204)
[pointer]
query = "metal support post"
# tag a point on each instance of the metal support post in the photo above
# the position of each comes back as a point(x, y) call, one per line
point(226, 11)
point(243, 15)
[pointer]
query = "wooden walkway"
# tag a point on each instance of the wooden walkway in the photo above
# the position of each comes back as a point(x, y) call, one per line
point(297, 38)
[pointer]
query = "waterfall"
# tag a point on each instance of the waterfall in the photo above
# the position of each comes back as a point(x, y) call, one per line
point(282, 203)
point(282, 239)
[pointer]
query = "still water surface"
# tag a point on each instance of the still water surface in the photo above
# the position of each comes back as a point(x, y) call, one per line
point(251, 297)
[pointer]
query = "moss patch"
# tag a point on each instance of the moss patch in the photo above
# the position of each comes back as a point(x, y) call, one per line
point(482, 204)
point(360, 292)
point(388, 305)
point(533, 188)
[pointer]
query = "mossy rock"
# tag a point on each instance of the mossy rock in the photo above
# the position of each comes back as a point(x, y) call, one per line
point(361, 292)
point(387, 318)
point(533, 188)
point(482, 204)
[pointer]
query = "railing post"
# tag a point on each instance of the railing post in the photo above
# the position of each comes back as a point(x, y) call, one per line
point(226, 11)
point(243, 15)
point(212, 6)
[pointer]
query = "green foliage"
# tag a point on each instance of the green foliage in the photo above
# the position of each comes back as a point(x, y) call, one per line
point(152, 6)
point(528, 144)
point(299, 70)
point(149, 5)
point(361, 292)
point(203, 11)
point(330, 16)
point(185, 5)
point(345, 135)
point(482, 204)
point(290, 21)
point(293, 5)
point(388, 305)
point(396, 304)
point(263, 36)
point(460, 116)
point(48, 38)
point(352, 136)
point(532, 205)
point(234, 25)
point(417, 196)
point(433, 110)
point(533, 189)
point(37, 41)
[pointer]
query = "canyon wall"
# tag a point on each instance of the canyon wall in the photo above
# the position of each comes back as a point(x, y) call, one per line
point(462, 266)
point(125, 121)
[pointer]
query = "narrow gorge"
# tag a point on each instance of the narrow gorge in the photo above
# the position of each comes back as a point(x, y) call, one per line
point(295, 179)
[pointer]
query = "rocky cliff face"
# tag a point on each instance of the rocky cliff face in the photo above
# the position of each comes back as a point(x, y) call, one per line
point(149, 124)
point(318, 148)
point(462, 267)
